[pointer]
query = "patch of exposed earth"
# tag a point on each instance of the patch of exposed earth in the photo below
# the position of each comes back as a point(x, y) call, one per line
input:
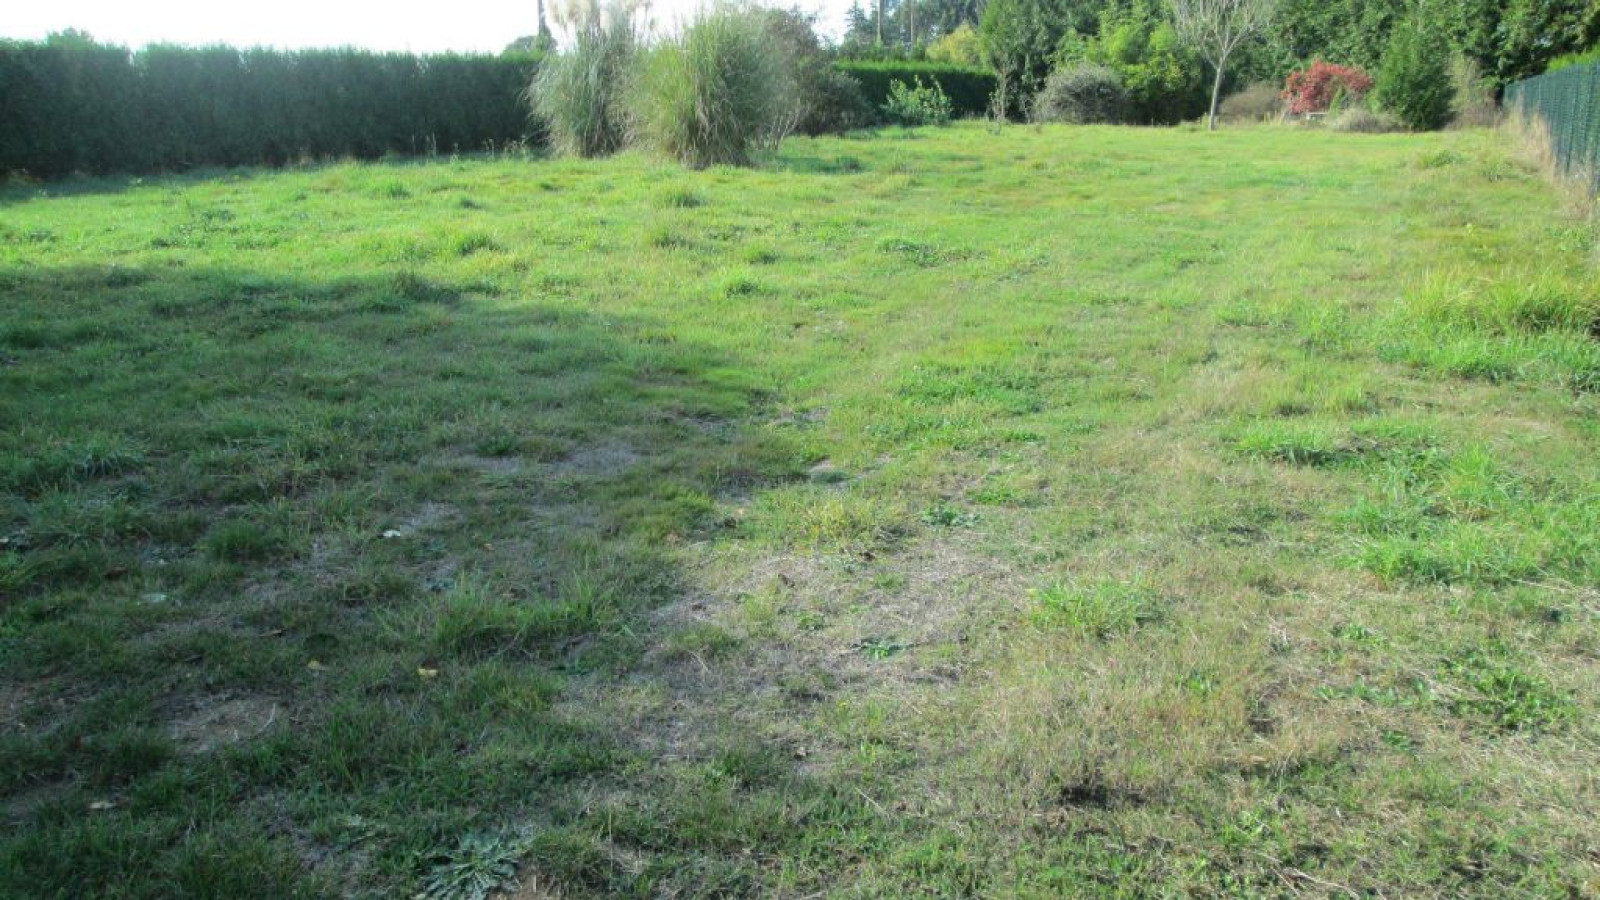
point(205, 724)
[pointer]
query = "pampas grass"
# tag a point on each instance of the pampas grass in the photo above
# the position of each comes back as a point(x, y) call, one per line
point(581, 93)
point(715, 92)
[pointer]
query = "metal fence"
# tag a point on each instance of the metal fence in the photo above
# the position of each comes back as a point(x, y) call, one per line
point(1567, 101)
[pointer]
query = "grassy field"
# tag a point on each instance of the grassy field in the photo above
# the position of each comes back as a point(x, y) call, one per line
point(1052, 513)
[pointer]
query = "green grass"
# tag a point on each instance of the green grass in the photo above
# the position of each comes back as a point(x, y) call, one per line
point(1054, 512)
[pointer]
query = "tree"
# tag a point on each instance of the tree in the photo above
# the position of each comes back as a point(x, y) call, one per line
point(960, 46)
point(942, 17)
point(1007, 46)
point(1020, 36)
point(1414, 80)
point(1216, 28)
point(1508, 39)
point(1164, 78)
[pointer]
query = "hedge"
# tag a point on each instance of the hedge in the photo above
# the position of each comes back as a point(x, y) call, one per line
point(968, 88)
point(71, 105)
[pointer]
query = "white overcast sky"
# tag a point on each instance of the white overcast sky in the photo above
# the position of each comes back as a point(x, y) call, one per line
point(420, 26)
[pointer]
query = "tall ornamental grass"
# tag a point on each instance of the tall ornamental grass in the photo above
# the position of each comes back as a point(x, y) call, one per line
point(580, 94)
point(716, 91)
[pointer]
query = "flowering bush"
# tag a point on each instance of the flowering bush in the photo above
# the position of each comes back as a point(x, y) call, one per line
point(1316, 87)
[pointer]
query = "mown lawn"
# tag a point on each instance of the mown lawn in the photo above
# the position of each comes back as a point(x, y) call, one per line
point(1065, 512)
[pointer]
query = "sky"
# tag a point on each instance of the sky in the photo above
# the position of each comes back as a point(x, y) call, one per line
point(418, 26)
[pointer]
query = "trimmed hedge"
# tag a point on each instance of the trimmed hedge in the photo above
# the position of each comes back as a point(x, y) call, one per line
point(968, 88)
point(72, 105)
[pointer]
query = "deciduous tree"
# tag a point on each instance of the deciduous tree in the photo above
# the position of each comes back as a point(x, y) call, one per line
point(1216, 28)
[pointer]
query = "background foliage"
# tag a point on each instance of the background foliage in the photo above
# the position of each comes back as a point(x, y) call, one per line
point(968, 87)
point(1414, 80)
point(74, 105)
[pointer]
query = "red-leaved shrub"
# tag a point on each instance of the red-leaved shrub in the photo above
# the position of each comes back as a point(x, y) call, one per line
point(1314, 88)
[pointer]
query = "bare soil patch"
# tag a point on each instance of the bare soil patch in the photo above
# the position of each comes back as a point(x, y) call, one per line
point(206, 724)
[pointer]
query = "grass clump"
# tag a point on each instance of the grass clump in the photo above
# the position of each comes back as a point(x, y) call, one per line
point(710, 95)
point(1530, 304)
point(1100, 609)
point(1360, 120)
point(1324, 443)
point(580, 94)
point(252, 539)
point(1463, 518)
point(681, 197)
point(823, 520)
point(1538, 325)
point(475, 242)
point(58, 465)
point(1491, 687)
point(474, 620)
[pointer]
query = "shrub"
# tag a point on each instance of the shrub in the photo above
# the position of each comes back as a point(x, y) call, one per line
point(961, 47)
point(1082, 93)
point(1321, 85)
point(1259, 102)
point(824, 99)
point(1165, 80)
point(834, 102)
point(1414, 79)
point(1018, 37)
point(1473, 95)
point(925, 104)
point(710, 94)
point(1359, 119)
point(967, 88)
point(580, 94)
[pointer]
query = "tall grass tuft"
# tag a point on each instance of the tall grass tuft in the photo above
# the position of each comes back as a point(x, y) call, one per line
point(581, 93)
point(715, 92)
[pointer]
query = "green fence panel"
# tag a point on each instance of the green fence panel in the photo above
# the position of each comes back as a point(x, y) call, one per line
point(1567, 102)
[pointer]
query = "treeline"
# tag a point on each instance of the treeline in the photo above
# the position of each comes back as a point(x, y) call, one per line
point(1163, 81)
point(1506, 39)
point(69, 104)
